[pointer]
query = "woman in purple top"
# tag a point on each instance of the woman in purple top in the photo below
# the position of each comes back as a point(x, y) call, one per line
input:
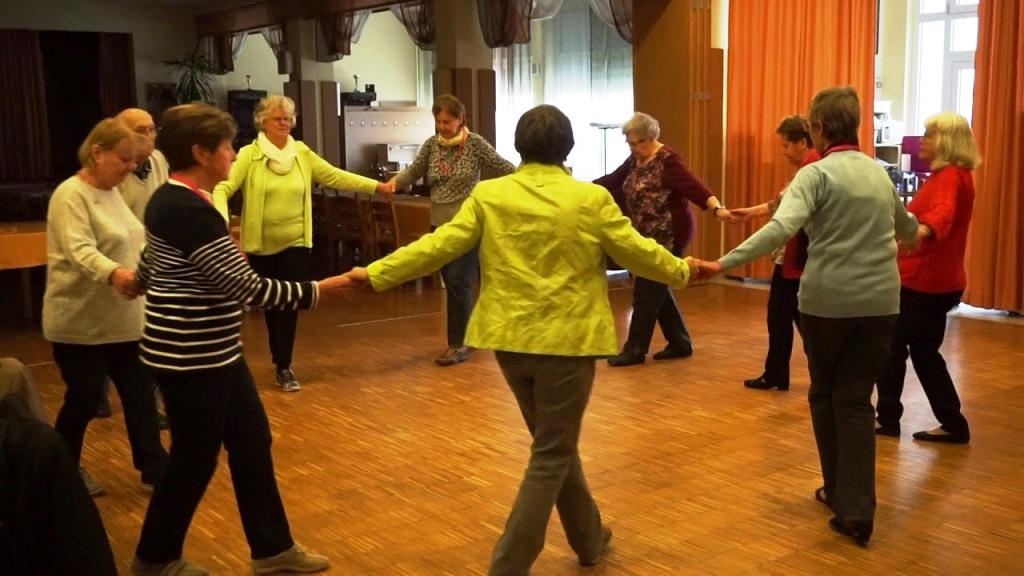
point(652, 187)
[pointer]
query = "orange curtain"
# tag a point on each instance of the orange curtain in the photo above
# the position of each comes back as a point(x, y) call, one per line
point(995, 273)
point(781, 52)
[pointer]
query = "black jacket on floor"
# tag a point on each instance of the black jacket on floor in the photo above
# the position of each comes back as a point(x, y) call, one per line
point(48, 522)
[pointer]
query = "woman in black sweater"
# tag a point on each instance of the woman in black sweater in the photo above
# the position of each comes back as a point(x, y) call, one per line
point(196, 281)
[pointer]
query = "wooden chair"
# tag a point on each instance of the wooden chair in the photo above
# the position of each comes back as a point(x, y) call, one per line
point(412, 220)
point(338, 230)
point(385, 229)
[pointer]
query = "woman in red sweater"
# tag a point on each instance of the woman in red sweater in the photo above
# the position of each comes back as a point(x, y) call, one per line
point(933, 280)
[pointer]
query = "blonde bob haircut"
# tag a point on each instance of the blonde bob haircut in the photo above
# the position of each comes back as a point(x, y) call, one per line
point(107, 134)
point(954, 141)
point(268, 105)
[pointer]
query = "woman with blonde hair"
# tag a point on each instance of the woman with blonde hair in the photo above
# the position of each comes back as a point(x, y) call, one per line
point(93, 242)
point(276, 175)
point(933, 279)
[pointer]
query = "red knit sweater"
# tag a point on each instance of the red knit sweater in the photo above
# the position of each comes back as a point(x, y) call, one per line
point(944, 203)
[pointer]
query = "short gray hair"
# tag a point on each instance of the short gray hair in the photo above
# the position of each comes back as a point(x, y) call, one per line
point(271, 103)
point(643, 126)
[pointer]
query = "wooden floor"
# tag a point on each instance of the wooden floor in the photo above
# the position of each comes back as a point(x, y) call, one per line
point(393, 466)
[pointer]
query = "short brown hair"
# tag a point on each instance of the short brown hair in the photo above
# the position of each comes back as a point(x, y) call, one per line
point(190, 125)
point(794, 129)
point(106, 134)
point(544, 135)
point(837, 111)
point(450, 104)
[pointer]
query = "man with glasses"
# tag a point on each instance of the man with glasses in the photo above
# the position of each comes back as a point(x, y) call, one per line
point(150, 173)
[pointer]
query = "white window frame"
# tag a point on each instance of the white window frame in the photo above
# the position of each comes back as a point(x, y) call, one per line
point(951, 60)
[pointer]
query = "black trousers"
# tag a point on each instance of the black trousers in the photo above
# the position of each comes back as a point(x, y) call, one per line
point(85, 369)
point(206, 408)
point(783, 314)
point(293, 264)
point(844, 356)
point(919, 333)
point(653, 302)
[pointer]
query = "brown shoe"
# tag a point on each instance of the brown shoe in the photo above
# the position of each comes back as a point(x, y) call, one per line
point(452, 356)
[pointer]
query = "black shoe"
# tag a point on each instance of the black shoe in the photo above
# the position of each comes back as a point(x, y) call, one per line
point(670, 353)
point(760, 383)
point(627, 359)
point(287, 381)
point(103, 410)
point(822, 497)
point(859, 531)
point(927, 436)
point(888, 430)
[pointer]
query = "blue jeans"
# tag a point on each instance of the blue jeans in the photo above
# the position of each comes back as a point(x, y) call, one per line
point(459, 275)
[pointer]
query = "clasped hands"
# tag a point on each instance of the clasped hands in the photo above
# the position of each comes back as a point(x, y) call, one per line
point(344, 284)
point(702, 270)
point(123, 280)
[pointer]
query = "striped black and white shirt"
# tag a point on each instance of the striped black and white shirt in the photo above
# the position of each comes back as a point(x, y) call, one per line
point(196, 281)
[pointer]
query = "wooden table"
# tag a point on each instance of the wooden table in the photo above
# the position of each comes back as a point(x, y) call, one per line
point(23, 246)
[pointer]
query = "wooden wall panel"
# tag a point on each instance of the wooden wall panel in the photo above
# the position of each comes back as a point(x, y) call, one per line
point(331, 115)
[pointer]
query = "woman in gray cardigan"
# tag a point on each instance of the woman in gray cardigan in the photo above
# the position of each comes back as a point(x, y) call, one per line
point(849, 297)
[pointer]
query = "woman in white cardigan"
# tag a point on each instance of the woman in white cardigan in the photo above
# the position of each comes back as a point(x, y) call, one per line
point(93, 243)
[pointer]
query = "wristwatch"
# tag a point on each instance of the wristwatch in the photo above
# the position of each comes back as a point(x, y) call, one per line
point(717, 208)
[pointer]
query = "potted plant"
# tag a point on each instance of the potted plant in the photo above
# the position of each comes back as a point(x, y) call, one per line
point(193, 72)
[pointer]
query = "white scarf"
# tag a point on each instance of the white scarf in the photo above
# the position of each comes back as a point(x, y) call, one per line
point(281, 159)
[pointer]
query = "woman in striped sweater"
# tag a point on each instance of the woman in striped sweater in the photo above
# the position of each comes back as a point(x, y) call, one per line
point(196, 280)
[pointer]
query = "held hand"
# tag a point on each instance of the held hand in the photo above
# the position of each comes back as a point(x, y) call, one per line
point(123, 280)
point(726, 215)
point(741, 214)
point(386, 188)
point(337, 287)
point(923, 232)
point(708, 270)
point(358, 275)
point(693, 265)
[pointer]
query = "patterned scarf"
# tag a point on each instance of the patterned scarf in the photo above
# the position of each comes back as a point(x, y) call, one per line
point(456, 140)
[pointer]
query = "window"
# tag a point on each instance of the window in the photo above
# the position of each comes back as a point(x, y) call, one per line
point(582, 66)
point(947, 36)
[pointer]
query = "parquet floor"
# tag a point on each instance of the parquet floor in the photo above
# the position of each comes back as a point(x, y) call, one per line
point(392, 466)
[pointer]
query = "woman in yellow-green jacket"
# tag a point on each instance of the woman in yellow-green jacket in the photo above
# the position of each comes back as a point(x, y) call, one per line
point(544, 309)
point(276, 175)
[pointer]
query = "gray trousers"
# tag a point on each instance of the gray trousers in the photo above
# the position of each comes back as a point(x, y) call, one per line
point(552, 392)
point(844, 357)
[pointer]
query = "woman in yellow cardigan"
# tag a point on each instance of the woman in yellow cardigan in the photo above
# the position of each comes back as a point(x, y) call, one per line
point(276, 175)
